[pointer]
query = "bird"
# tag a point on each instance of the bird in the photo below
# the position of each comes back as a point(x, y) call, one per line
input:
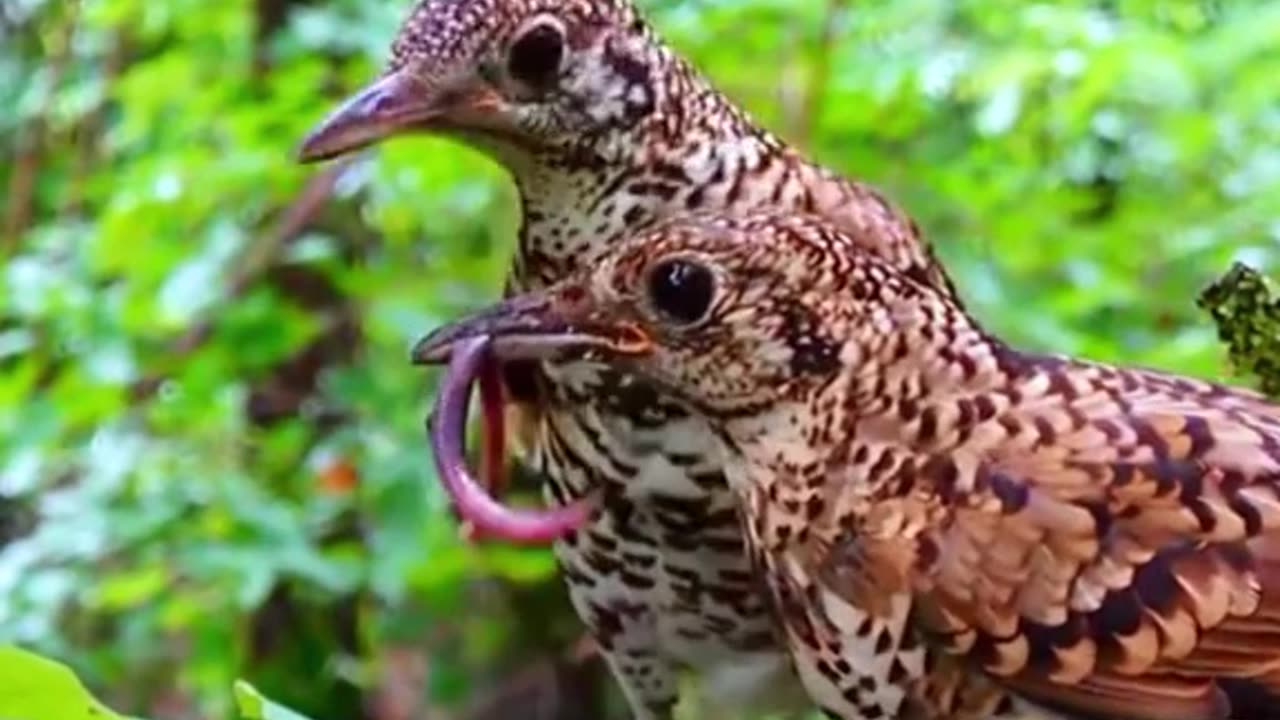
point(605, 130)
point(948, 526)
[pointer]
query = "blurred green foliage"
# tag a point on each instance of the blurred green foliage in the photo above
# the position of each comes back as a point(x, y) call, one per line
point(211, 454)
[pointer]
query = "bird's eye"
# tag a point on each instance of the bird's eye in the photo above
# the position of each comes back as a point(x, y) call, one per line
point(535, 57)
point(682, 290)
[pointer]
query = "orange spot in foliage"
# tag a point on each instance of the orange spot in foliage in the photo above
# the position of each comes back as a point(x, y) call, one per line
point(338, 476)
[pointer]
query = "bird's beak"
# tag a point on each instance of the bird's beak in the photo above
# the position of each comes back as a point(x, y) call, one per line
point(396, 103)
point(537, 326)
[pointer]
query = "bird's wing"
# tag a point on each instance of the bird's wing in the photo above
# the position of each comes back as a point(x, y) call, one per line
point(1117, 551)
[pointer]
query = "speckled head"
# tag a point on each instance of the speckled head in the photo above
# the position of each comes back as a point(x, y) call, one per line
point(537, 74)
point(726, 312)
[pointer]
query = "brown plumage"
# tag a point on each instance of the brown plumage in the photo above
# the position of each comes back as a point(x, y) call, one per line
point(606, 130)
point(951, 528)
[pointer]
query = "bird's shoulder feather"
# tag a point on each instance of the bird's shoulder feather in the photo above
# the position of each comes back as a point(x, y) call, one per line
point(1119, 548)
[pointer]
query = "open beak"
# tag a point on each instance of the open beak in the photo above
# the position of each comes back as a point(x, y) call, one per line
point(532, 327)
point(396, 103)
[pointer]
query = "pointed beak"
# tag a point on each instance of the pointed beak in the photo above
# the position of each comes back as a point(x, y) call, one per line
point(396, 103)
point(536, 326)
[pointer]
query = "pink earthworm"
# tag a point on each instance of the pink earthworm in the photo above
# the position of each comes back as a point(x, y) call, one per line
point(446, 432)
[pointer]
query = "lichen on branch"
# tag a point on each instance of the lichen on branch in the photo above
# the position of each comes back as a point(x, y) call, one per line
point(1246, 309)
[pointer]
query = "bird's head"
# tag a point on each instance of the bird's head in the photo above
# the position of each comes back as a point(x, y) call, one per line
point(570, 77)
point(727, 313)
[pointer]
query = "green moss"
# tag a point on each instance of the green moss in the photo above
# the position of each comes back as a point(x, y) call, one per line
point(1247, 312)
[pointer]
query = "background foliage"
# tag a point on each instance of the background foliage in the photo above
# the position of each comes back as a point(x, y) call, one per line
point(211, 456)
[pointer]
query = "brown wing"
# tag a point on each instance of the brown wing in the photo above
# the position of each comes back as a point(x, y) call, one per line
point(1114, 546)
point(870, 568)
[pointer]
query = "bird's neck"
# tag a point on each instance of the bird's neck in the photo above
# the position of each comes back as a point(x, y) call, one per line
point(574, 212)
point(704, 155)
point(909, 389)
point(696, 150)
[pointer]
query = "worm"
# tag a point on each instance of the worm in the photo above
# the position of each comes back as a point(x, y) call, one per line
point(493, 465)
point(446, 432)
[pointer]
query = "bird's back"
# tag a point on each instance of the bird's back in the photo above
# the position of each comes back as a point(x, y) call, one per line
point(1094, 540)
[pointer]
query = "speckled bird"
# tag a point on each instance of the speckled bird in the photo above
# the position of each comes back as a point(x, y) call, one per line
point(606, 130)
point(949, 527)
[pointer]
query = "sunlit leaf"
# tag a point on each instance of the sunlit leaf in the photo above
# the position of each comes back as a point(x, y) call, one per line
point(36, 688)
point(253, 706)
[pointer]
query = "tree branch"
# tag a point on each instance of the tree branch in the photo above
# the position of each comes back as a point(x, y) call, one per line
point(262, 254)
point(31, 144)
point(805, 111)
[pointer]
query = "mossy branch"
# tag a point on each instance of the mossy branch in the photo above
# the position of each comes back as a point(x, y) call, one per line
point(1247, 311)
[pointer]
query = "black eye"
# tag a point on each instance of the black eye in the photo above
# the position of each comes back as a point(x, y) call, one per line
point(681, 289)
point(535, 57)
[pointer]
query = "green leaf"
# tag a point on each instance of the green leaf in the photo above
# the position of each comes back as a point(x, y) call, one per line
point(253, 706)
point(36, 688)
